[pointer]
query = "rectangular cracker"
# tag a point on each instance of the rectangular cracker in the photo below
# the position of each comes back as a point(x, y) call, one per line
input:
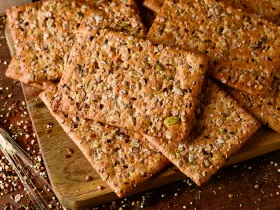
point(266, 110)
point(44, 32)
point(221, 128)
point(267, 9)
point(14, 72)
point(111, 151)
point(130, 83)
point(242, 48)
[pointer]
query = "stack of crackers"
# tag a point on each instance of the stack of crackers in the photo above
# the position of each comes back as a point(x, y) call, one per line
point(188, 91)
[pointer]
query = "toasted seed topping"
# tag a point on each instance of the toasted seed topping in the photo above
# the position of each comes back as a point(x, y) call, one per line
point(171, 120)
point(230, 37)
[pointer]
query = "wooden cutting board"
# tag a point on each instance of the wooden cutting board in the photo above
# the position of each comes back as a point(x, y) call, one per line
point(67, 175)
point(5, 4)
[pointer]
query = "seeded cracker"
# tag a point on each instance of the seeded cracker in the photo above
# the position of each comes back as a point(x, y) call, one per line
point(243, 49)
point(268, 9)
point(44, 32)
point(266, 110)
point(130, 83)
point(15, 73)
point(221, 128)
point(122, 158)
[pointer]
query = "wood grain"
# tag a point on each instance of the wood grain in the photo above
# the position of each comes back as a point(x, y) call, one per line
point(5, 4)
point(67, 175)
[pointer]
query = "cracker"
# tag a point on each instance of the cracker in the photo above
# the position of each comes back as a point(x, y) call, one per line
point(221, 128)
point(44, 32)
point(153, 5)
point(111, 151)
point(14, 72)
point(242, 48)
point(19, 27)
point(131, 83)
point(267, 9)
point(266, 110)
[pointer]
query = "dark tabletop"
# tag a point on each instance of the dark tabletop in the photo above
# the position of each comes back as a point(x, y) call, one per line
point(254, 184)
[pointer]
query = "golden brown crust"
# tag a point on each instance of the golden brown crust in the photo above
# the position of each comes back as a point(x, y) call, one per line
point(266, 110)
point(14, 72)
point(267, 9)
point(243, 49)
point(122, 158)
point(221, 128)
point(131, 83)
point(44, 32)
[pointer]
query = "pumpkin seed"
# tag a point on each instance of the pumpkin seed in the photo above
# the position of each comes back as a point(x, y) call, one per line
point(135, 144)
point(211, 107)
point(129, 42)
point(277, 75)
point(171, 120)
point(222, 130)
point(159, 67)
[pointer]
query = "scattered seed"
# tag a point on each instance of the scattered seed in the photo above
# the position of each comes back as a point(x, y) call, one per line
point(70, 151)
point(89, 178)
point(17, 198)
point(104, 176)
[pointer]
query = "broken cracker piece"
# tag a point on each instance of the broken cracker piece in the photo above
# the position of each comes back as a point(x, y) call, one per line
point(14, 72)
